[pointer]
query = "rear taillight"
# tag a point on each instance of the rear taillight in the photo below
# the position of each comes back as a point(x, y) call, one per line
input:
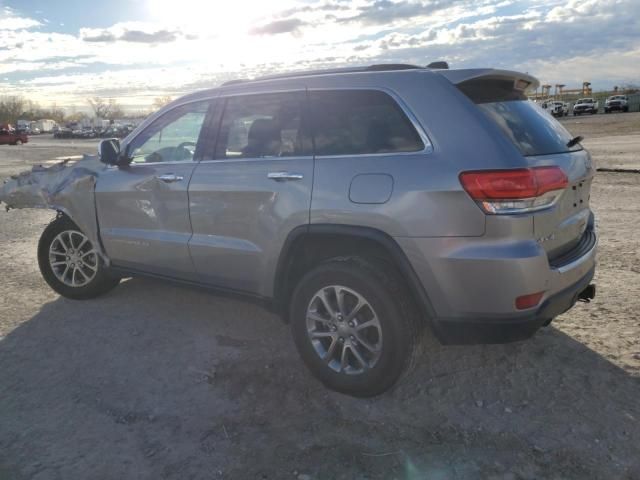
point(515, 191)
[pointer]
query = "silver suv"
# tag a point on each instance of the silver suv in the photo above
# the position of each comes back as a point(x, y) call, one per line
point(361, 204)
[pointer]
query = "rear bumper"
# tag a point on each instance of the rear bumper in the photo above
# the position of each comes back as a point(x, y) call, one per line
point(516, 328)
point(472, 285)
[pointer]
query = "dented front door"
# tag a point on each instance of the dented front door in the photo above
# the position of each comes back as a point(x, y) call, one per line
point(143, 209)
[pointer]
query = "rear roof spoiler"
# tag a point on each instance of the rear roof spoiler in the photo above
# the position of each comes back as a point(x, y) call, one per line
point(522, 81)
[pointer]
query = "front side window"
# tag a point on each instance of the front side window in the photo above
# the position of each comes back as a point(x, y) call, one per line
point(172, 137)
point(360, 122)
point(263, 126)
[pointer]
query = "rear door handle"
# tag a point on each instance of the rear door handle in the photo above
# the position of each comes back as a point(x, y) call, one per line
point(284, 176)
point(170, 178)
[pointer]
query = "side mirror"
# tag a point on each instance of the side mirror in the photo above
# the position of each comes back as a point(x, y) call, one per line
point(109, 151)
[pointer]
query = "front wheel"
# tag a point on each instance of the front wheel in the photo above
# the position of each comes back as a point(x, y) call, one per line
point(69, 262)
point(354, 325)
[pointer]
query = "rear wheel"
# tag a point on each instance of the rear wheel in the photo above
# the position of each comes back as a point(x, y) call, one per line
point(18, 142)
point(69, 262)
point(354, 326)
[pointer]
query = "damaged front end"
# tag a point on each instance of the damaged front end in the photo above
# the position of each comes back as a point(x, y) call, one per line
point(66, 187)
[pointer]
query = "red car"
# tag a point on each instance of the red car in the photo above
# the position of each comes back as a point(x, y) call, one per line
point(11, 137)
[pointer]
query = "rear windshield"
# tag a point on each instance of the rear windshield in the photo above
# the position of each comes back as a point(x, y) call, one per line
point(531, 129)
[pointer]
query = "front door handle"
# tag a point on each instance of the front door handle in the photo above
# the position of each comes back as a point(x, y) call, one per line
point(284, 176)
point(170, 178)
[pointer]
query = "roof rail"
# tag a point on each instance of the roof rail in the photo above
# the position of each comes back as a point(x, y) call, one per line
point(234, 82)
point(382, 67)
point(385, 67)
point(440, 65)
point(369, 68)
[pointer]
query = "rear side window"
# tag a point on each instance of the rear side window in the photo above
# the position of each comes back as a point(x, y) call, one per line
point(360, 122)
point(532, 130)
point(263, 126)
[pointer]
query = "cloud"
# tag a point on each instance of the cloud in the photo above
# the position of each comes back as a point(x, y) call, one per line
point(10, 20)
point(136, 35)
point(104, 36)
point(319, 7)
point(290, 25)
point(160, 36)
point(382, 12)
point(564, 41)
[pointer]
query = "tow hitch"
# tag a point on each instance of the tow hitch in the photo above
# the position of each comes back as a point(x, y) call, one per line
point(588, 293)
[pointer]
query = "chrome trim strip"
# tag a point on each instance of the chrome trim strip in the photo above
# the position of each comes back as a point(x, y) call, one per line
point(254, 159)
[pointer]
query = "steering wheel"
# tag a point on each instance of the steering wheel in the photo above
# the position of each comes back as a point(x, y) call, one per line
point(185, 145)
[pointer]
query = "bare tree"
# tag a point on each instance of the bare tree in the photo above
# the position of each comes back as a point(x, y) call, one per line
point(630, 88)
point(108, 109)
point(160, 102)
point(11, 109)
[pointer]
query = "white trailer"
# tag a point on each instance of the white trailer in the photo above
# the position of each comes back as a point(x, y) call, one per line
point(45, 125)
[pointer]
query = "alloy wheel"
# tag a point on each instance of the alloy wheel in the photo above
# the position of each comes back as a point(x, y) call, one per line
point(344, 330)
point(73, 259)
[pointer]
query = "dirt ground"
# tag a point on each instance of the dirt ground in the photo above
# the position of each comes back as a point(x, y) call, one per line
point(155, 381)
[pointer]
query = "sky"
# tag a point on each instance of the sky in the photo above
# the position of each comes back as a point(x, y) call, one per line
point(64, 52)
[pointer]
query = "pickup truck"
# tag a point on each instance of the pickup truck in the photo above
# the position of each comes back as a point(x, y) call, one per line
point(11, 137)
point(585, 105)
point(616, 102)
point(556, 108)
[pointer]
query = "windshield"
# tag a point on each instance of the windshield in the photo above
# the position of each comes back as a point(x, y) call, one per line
point(532, 130)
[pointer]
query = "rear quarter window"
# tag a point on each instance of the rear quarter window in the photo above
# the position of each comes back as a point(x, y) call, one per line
point(360, 122)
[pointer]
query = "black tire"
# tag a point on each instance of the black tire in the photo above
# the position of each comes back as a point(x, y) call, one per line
point(399, 324)
point(102, 281)
point(18, 142)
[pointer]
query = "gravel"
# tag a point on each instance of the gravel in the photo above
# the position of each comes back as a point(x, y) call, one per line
point(157, 381)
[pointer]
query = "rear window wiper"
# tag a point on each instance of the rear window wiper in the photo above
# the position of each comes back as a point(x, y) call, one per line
point(574, 141)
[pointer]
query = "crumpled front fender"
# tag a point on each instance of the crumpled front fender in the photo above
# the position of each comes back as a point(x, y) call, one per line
point(65, 187)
